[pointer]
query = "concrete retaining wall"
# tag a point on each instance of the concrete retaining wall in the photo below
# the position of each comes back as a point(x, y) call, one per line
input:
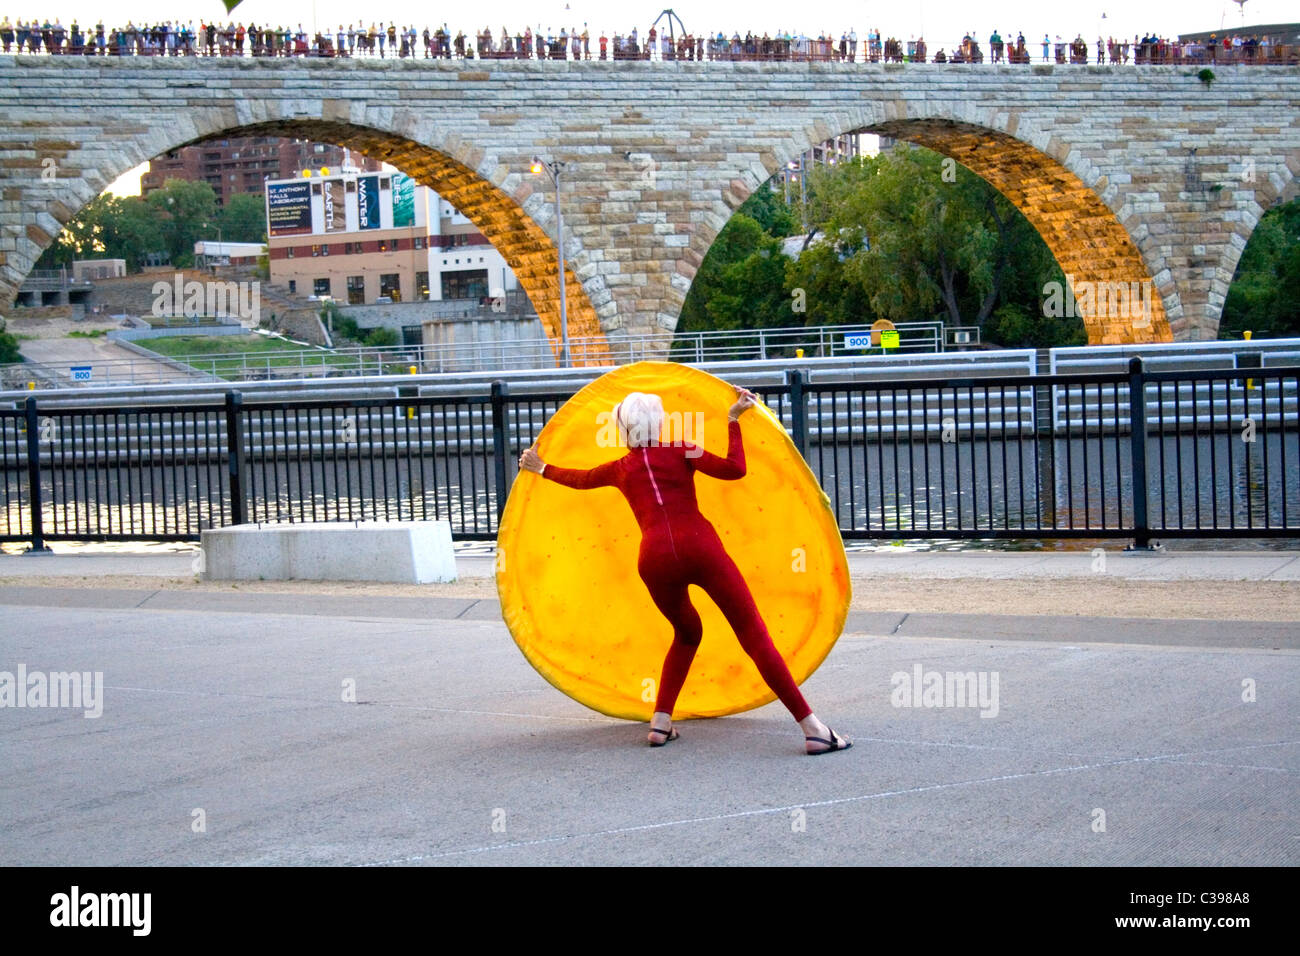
point(406, 552)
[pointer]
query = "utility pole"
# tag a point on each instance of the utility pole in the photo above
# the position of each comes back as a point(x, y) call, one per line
point(553, 169)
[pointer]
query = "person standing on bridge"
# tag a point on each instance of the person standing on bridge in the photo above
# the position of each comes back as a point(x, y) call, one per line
point(679, 547)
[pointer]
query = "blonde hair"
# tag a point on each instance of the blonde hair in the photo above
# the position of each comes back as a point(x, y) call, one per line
point(640, 419)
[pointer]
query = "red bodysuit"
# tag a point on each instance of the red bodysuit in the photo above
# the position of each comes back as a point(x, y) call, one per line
point(680, 547)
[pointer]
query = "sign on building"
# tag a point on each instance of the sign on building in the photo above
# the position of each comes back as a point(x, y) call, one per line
point(403, 201)
point(288, 208)
point(368, 212)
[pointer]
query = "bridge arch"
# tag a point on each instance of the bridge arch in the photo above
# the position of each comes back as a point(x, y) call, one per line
point(1057, 189)
point(507, 206)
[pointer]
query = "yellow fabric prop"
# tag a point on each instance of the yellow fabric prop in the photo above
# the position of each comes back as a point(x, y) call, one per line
point(566, 563)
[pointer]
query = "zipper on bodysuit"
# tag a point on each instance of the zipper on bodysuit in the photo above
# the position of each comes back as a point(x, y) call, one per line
point(645, 455)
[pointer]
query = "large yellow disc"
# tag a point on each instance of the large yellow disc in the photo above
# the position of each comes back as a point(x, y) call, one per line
point(567, 559)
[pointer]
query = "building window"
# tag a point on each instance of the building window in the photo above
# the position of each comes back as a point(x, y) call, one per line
point(315, 250)
point(356, 290)
point(321, 286)
point(412, 335)
point(325, 250)
point(465, 285)
point(417, 242)
point(288, 252)
point(422, 286)
point(356, 248)
point(293, 286)
point(397, 245)
point(390, 284)
point(383, 245)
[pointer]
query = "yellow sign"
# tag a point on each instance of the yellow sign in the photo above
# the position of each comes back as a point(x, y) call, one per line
point(889, 338)
point(878, 326)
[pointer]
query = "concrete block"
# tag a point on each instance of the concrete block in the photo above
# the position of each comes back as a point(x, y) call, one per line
point(404, 552)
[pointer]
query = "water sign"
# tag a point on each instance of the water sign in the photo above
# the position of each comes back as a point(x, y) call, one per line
point(80, 373)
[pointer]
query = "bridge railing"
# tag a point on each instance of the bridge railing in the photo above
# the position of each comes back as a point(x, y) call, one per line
point(702, 49)
point(502, 355)
point(1136, 455)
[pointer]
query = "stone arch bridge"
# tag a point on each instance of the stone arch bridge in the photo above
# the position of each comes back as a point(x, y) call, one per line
point(1130, 174)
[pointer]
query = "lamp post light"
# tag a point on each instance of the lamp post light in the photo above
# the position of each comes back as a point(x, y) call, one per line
point(553, 169)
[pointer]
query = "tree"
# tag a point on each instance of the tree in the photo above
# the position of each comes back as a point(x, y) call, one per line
point(9, 349)
point(243, 218)
point(909, 235)
point(108, 227)
point(768, 208)
point(186, 213)
point(1265, 293)
point(917, 243)
point(741, 282)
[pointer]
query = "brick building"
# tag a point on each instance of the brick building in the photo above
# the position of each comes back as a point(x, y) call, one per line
point(244, 164)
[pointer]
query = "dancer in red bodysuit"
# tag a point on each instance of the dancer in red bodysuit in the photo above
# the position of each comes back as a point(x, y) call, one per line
point(679, 547)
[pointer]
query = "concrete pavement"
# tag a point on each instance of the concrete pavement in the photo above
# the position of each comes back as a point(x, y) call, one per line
point(1107, 741)
point(476, 559)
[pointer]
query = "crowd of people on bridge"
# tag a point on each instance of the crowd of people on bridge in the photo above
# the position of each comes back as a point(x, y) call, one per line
point(389, 40)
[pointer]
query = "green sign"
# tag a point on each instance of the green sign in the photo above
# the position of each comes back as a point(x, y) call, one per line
point(403, 201)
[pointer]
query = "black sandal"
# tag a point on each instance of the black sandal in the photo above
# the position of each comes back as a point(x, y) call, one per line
point(669, 734)
point(831, 745)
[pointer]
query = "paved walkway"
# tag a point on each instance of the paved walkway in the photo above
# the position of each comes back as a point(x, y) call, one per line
point(110, 362)
point(1107, 742)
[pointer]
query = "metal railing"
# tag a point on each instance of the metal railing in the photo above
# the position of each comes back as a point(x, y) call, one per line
point(1202, 453)
point(148, 42)
point(591, 351)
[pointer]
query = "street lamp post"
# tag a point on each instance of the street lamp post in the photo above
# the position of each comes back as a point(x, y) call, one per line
point(553, 169)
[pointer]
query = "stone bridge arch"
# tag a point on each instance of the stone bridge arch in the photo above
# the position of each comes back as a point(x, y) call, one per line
point(445, 163)
point(1066, 200)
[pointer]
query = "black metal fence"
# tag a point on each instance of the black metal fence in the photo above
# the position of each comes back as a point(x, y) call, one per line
point(1212, 454)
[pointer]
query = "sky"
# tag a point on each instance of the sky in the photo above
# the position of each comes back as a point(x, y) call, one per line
point(941, 22)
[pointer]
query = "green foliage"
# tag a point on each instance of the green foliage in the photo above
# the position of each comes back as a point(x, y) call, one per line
point(87, 334)
point(1206, 76)
point(382, 337)
point(186, 212)
point(1015, 327)
point(1264, 297)
point(243, 218)
point(340, 324)
point(170, 220)
point(742, 281)
point(768, 208)
point(9, 349)
point(906, 235)
point(109, 227)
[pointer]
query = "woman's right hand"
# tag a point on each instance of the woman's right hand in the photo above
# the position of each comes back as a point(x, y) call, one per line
point(531, 461)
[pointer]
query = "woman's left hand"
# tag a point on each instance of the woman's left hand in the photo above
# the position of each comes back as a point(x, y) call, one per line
point(531, 461)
